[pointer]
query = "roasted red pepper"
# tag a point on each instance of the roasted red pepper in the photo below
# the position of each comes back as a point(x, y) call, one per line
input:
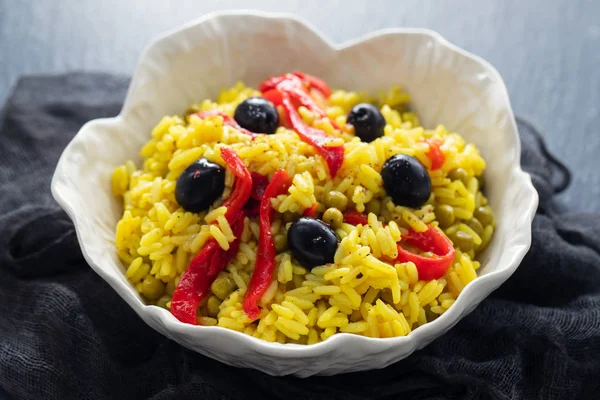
point(311, 211)
point(432, 240)
point(315, 83)
point(288, 90)
point(195, 282)
point(435, 154)
point(242, 186)
point(203, 269)
point(274, 96)
point(334, 155)
point(265, 256)
point(293, 87)
point(307, 80)
point(272, 82)
point(222, 258)
point(227, 121)
point(354, 217)
point(259, 185)
point(252, 207)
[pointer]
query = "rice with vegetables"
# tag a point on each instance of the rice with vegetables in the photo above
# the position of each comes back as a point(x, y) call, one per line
point(293, 212)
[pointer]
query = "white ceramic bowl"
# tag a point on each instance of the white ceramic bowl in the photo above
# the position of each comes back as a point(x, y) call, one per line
point(447, 85)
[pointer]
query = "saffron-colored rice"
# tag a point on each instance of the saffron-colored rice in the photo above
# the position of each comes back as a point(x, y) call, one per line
point(362, 293)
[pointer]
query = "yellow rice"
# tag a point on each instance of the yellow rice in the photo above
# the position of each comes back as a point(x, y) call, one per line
point(361, 293)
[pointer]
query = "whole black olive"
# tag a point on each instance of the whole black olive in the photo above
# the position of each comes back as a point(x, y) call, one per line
point(312, 242)
point(258, 115)
point(200, 185)
point(367, 120)
point(406, 180)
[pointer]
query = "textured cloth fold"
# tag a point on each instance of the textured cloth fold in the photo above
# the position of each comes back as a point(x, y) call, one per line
point(65, 334)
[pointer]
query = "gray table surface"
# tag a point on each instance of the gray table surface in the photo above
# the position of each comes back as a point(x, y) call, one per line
point(548, 52)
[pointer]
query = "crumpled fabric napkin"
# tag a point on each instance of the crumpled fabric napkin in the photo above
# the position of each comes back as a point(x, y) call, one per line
point(65, 334)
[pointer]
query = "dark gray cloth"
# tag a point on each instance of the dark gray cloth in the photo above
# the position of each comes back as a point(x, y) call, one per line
point(64, 333)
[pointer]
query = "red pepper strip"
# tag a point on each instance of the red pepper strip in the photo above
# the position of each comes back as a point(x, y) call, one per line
point(227, 121)
point(222, 258)
point(309, 80)
point(283, 119)
point(312, 211)
point(259, 184)
point(435, 154)
point(274, 96)
point(252, 207)
point(265, 256)
point(280, 90)
point(334, 155)
point(354, 217)
point(293, 87)
point(195, 282)
point(272, 82)
point(315, 83)
point(241, 188)
point(431, 240)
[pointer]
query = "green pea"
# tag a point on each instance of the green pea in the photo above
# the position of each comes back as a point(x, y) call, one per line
point(430, 315)
point(203, 302)
point(162, 302)
point(485, 215)
point(431, 199)
point(374, 206)
point(152, 288)
point(386, 295)
point(171, 285)
point(479, 199)
point(463, 241)
point(444, 214)
point(475, 225)
point(459, 174)
point(289, 216)
point(355, 316)
point(212, 307)
point(223, 286)
point(333, 217)
point(194, 108)
point(337, 200)
point(280, 242)
point(481, 180)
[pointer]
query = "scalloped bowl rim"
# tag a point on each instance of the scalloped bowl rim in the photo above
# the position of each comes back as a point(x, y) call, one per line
point(423, 333)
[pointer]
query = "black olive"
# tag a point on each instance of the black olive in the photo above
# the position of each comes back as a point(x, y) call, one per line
point(258, 115)
point(200, 185)
point(406, 180)
point(312, 242)
point(367, 120)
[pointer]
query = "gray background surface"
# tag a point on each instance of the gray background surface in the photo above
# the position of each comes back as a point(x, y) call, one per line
point(548, 52)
